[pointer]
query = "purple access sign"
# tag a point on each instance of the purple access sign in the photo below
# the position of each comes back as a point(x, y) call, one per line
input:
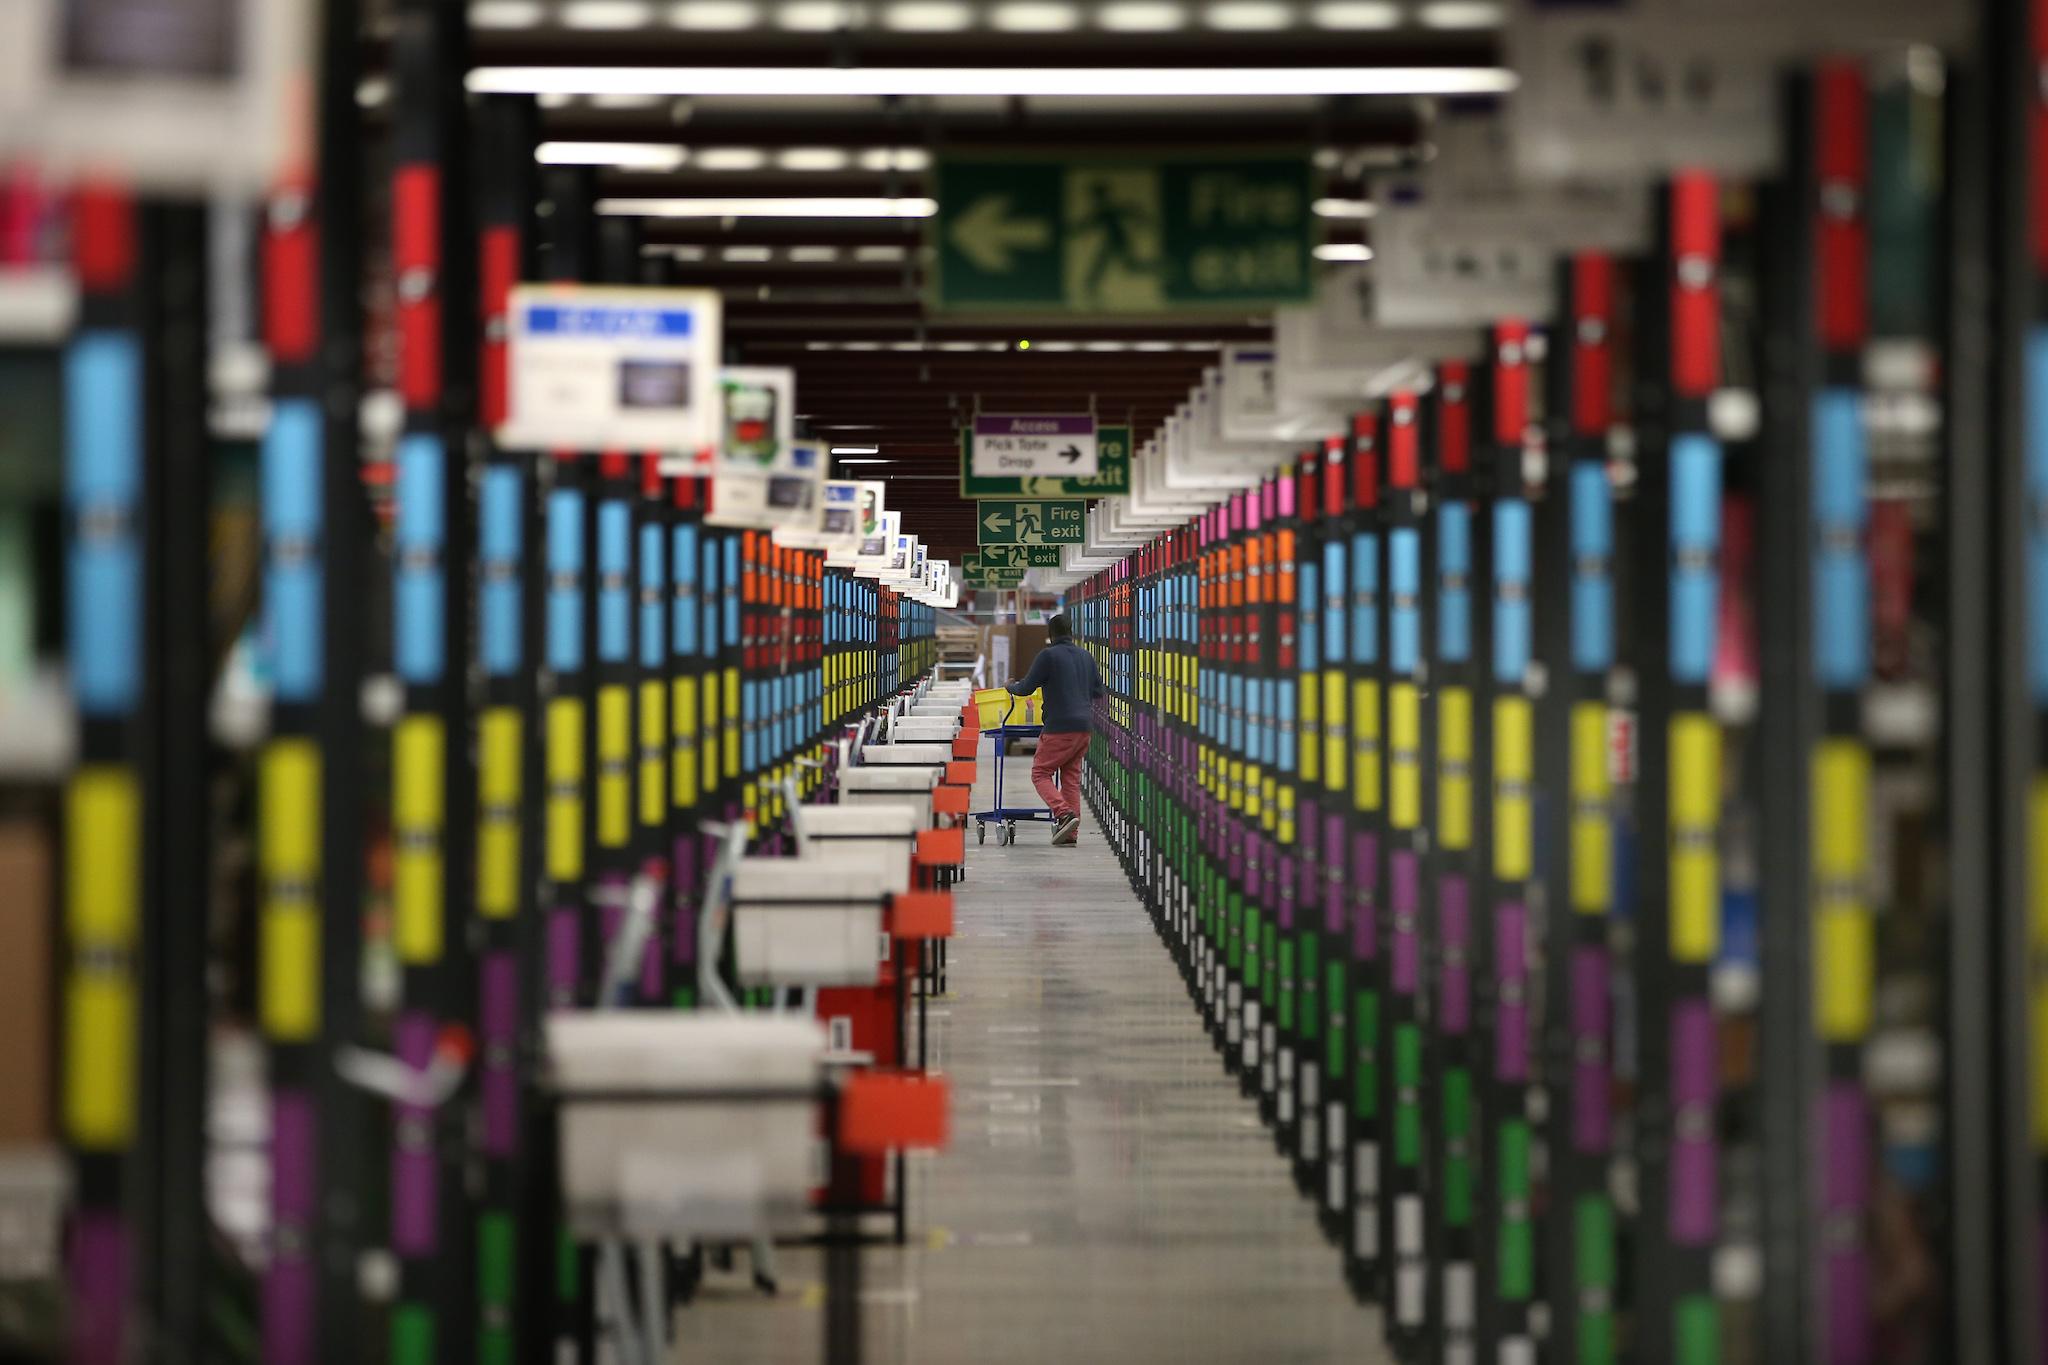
point(1033, 444)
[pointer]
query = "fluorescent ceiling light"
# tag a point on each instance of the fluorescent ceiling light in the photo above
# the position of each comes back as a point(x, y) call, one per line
point(895, 159)
point(753, 255)
point(879, 253)
point(1461, 14)
point(607, 14)
point(856, 450)
point(1248, 16)
point(812, 159)
point(994, 82)
point(555, 100)
point(731, 158)
point(867, 462)
point(635, 156)
point(1035, 16)
point(1141, 16)
point(811, 16)
point(372, 91)
point(768, 208)
point(715, 16)
point(609, 100)
point(688, 253)
point(505, 14)
point(813, 255)
point(1356, 14)
point(1342, 208)
point(927, 16)
point(1343, 251)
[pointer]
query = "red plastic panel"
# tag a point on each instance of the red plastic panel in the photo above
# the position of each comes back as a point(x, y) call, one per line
point(885, 1111)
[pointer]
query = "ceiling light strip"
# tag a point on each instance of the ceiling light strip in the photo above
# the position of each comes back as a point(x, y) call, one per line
point(996, 82)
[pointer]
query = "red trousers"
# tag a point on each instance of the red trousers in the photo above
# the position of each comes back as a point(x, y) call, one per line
point(1060, 755)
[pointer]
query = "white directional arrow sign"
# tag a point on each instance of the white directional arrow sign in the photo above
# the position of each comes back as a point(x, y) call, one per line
point(986, 234)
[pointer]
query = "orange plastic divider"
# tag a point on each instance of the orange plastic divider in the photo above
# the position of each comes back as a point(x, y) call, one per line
point(965, 744)
point(921, 914)
point(950, 800)
point(886, 1111)
point(959, 774)
point(942, 847)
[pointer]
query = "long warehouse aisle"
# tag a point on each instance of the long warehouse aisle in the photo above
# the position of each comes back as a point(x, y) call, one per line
point(1108, 1195)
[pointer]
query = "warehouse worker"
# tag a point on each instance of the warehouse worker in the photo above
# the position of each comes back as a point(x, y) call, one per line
point(1067, 673)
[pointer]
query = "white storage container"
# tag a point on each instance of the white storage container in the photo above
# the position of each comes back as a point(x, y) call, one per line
point(899, 755)
point(810, 921)
point(885, 833)
point(890, 787)
point(672, 1165)
point(925, 730)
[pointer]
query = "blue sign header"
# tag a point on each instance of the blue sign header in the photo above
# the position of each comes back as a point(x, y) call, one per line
point(613, 320)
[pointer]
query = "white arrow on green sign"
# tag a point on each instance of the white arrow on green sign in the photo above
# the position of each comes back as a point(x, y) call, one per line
point(987, 233)
point(1064, 522)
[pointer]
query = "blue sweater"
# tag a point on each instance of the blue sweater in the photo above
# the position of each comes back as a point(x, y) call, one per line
point(1067, 673)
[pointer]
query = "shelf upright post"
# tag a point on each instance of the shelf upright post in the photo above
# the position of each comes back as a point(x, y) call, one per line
point(1575, 562)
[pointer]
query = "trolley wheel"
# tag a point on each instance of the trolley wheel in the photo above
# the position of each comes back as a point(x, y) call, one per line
point(981, 832)
point(1013, 831)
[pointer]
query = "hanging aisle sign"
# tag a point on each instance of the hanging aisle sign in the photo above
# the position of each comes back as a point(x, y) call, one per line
point(877, 545)
point(1112, 474)
point(791, 494)
point(838, 523)
point(1033, 445)
point(161, 94)
point(596, 367)
point(757, 407)
point(1032, 523)
point(1636, 89)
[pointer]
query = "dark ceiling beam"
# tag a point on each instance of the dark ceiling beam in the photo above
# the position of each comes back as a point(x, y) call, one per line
point(769, 328)
point(1341, 121)
point(769, 182)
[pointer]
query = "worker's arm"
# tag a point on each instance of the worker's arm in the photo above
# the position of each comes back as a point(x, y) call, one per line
point(1033, 679)
point(1095, 687)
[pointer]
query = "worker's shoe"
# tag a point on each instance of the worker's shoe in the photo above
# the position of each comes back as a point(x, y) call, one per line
point(1067, 831)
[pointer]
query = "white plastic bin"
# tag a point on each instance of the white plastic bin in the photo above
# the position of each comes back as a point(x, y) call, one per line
point(883, 832)
point(809, 921)
point(672, 1165)
point(925, 730)
point(890, 787)
point(906, 754)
